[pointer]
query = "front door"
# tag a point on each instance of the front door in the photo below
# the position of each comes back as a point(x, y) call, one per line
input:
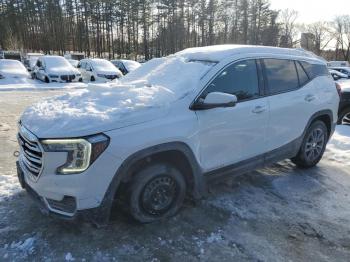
point(230, 135)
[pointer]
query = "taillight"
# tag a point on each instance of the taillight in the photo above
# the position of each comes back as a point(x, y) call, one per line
point(337, 85)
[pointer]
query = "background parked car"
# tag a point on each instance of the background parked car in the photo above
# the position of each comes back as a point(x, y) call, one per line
point(337, 75)
point(30, 60)
point(73, 62)
point(126, 66)
point(98, 70)
point(344, 70)
point(12, 69)
point(344, 106)
point(55, 69)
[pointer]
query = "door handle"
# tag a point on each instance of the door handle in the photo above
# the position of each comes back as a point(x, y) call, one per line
point(259, 109)
point(310, 98)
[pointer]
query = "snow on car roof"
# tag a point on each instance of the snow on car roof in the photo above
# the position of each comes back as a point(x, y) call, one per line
point(56, 61)
point(220, 52)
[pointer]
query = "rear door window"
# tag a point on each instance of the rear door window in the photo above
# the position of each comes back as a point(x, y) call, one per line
point(281, 75)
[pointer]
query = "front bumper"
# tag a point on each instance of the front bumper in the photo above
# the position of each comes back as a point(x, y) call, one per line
point(99, 216)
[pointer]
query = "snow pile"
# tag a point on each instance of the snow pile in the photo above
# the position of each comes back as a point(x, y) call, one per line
point(69, 257)
point(154, 85)
point(8, 187)
point(338, 148)
point(27, 246)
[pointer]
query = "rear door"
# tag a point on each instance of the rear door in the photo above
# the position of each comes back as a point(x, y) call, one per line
point(292, 100)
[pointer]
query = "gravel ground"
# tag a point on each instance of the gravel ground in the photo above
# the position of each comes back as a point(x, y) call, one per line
point(279, 213)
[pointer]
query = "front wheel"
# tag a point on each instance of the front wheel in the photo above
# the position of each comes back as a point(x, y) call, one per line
point(156, 192)
point(313, 146)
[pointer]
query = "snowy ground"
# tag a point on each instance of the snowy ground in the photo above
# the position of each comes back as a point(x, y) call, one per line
point(279, 213)
point(31, 84)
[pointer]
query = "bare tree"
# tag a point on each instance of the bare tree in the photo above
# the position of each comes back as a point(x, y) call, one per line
point(289, 32)
point(342, 32)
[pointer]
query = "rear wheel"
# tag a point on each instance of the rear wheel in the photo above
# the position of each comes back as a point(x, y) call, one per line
point(156, 192)
point(344, 117)
point(313, 146)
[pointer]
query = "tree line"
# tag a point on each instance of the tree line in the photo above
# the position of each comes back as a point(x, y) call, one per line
point(152, 28)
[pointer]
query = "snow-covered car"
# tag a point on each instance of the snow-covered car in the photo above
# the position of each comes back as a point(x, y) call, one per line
point(97, 69)
point(55, 69)
point(343, 70)
point(30, 60)
point(126, 66)
point(163, 131)
point(337, 75)
point(73, 62)
point(12, 69)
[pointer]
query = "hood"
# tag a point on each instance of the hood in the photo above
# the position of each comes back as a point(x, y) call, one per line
point(62, 71)
point(96, 109)
point(15, 74)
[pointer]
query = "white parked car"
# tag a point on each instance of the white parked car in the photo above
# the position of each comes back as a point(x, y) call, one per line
point(98, 70)
point(165, 130)
point(55, 69)
point(343, 70)
point(30, 60)
point(73, 62)
point(126, 66)
point(12, 69)
point(337, 75)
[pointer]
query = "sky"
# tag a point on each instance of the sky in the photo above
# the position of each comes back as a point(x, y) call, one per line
point(314, 10)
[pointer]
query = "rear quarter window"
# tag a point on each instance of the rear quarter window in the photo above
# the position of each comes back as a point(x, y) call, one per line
point(315, 70)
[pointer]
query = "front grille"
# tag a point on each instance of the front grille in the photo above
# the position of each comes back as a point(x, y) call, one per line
point(67, 77)
point(111, 76)
point(30, 153)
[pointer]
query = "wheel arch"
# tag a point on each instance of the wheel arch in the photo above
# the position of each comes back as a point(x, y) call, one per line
point(326, 116)
point(177, 153)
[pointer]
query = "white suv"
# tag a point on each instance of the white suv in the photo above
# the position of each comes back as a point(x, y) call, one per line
point(163, 131)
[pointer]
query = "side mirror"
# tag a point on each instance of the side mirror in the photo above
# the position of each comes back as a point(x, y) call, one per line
point(215, 100)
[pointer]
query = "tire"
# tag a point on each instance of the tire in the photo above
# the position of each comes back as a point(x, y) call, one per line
point(47, 80)
point(33, 76)
point(156, 192)
point(344, 117)
point(313, 146)
point(92, 79)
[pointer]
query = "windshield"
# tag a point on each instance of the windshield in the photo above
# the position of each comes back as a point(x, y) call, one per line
point(102, 65)
point(57, 62)
point(131, 65)
point(175, 73)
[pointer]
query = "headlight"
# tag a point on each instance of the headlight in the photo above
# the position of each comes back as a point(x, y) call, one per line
point(53, 76)
point(101, 75)
point(82, 152)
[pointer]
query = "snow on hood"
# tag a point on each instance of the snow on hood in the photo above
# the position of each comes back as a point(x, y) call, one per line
point(143, 96)
point(13, 68)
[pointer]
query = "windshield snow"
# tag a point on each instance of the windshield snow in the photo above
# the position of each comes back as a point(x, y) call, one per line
point(131, 65)
point(57, 62)
point(176, 74)
point(102, 65)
